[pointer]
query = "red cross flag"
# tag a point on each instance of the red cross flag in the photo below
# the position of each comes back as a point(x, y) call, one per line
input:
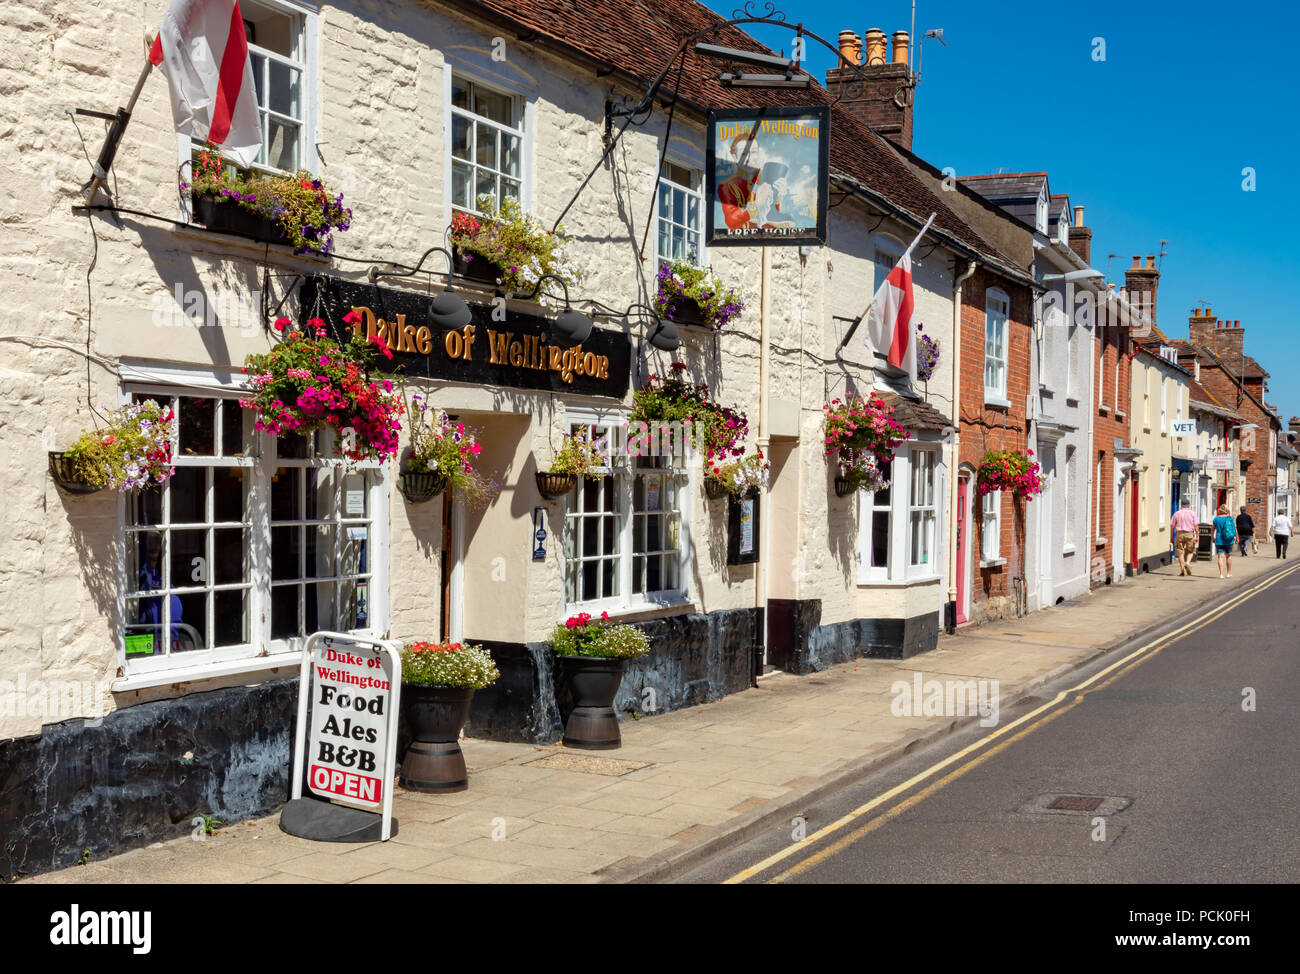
point(889, 318)
point(203, 51)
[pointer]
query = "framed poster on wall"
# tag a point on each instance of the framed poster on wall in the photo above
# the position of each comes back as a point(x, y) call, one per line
point(766, 176)
point(742, 530)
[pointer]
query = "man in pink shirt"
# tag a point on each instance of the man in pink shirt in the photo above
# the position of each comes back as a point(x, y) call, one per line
point(1186, 537)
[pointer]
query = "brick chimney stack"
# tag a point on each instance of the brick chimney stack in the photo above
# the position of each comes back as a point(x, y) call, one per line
point(1227, 339)
point(1140, 286)
point(1081, 237)
point(878, 93)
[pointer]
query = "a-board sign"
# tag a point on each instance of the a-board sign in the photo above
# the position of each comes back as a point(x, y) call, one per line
point(348, 747)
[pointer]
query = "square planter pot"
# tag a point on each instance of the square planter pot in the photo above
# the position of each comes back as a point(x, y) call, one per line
point(225, 216)
point(688, 312)
point(474, 267)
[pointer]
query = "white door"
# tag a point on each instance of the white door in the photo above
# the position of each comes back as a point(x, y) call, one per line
point(1046, 557)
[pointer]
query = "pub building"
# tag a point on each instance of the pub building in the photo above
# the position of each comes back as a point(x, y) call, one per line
point(152, 638)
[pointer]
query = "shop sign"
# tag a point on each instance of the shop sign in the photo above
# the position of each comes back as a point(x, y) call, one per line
point(347, 749)
point(498, 347)
point(1218, 460)
point(1182, 427)
point(742, 531)
point(767, 176)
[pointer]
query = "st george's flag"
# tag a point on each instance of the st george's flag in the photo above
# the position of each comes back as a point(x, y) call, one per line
point(202, 50)
point(889, 318)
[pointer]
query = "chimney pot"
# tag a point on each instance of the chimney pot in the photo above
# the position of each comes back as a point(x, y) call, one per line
point(851, 46)
point(1137, 261)
point(1078, 216)
point(1209, 313)
point(875, 39)
point(1151, 261)
point(900, 46)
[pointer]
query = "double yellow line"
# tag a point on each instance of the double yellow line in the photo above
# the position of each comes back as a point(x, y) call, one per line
point(1011, 733)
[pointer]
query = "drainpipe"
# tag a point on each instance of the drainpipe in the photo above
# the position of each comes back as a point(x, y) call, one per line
point(956, 444)
point(762, 575)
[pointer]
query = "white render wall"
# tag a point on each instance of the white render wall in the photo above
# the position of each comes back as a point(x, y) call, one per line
point(381, 103)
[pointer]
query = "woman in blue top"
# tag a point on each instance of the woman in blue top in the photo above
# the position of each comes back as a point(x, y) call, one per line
point(1225, 533)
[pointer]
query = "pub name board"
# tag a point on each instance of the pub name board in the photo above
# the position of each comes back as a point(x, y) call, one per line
point(505, 348)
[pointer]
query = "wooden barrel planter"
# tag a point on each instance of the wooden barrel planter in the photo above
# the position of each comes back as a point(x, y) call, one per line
point(844, 487)
point(474, 267)
point(227, 216)
point(553, 485)
point(594, 680)
point(420, 487)
point(435, 716)
point(61, 469)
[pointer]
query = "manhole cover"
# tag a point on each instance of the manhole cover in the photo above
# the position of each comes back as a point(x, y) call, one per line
point(1075, 803)
point(586, 764)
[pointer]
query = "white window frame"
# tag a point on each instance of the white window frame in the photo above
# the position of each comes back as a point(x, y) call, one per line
point(522, 111)
point(307, 42)
point(624, 474)
point(688, 193)
point(991, 529)
point(261, 651)
point(899, 569)
point(997, 303)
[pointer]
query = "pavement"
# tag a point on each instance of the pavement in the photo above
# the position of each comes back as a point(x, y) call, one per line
point(686, 785)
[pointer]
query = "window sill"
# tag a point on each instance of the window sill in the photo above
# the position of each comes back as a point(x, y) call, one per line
point(1146, 429)
point(992, 563)
point(898, 582)
point(197, 231)
point(1103, 409)
point(195, 673)
point(1101, 542)
point(996, 402)
point(1120, 415)
point(1068, 550)
point(640, 610)
point(1071, 402)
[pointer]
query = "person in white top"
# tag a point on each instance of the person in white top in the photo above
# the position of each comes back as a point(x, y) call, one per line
point(1281, 533)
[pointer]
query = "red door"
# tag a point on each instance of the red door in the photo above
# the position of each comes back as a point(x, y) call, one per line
point(963, 492)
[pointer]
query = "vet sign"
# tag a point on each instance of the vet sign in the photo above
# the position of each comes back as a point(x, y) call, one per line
point(347, 746)
point(1182, 427)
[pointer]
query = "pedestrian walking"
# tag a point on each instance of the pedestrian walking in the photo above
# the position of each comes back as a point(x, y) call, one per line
point(1225, 533)
point(1281, 533)
point(1184, 526)
point(1245, 530)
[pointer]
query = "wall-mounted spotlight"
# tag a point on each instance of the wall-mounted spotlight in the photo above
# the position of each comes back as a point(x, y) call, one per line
point(448, 308)
point(571, 325)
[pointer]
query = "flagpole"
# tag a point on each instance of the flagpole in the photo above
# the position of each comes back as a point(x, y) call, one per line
point(114, 137)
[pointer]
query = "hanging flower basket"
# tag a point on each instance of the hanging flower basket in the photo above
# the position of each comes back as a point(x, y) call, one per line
point(63, 468)
point(859, 471)
point(739, 478)
point(844, 486)
point(420, 487)
point(927, 354)
point(1011, 471)
point(715, 489)
point(449, 449)
point(859, 424)
point(714, 429)
point(310, 381)
point(552, 485)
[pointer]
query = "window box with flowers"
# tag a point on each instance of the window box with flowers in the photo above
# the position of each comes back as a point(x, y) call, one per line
point(297, 210)
point(133, 450)
point(592, 655)
point(510, 248)
point(443, 452)
point(690, 295)
point(438, 684)
point(1012, 471)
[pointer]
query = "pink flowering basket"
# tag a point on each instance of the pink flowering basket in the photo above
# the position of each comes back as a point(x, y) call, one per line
point(1012, 471)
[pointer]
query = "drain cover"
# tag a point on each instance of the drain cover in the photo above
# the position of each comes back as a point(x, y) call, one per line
point(586, 764)
point(1075, 803)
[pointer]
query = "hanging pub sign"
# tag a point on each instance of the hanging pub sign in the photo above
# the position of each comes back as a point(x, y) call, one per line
point(498, 347)
point(767, 176)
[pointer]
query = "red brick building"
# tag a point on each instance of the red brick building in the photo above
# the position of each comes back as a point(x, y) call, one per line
point(997, 340)
point(1112, 445)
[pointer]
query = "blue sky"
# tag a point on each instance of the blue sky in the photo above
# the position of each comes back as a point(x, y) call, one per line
point(1152, 141)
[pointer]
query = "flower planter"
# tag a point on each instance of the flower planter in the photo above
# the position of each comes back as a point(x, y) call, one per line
point(435, 716)
point(475, 267)
point(714, 489)
point(420, 487)
point(844, 487)
point(687, 311)
point(594, 680)
point(61, 471)
point(553, 485)
point(225, 216)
